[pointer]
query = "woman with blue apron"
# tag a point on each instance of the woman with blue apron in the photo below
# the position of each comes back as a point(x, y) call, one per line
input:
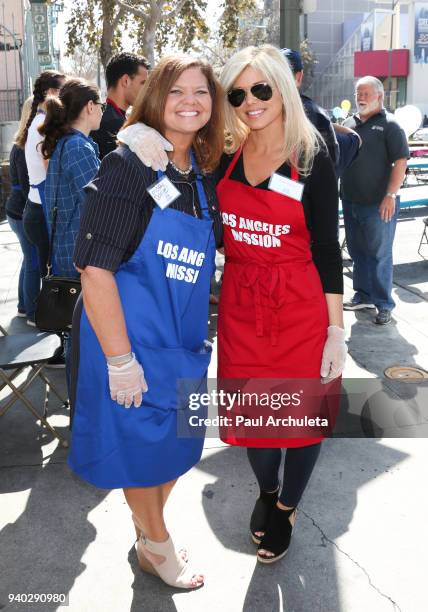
point(146, 248)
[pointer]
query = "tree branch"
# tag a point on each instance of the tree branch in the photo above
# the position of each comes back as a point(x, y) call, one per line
point(118, 17)
point(175, 10)
point(154, 7)
point(131, 9)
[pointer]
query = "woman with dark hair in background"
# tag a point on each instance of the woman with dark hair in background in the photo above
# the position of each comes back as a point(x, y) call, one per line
point(73, 163)
point(48, 83)
point(29, 276)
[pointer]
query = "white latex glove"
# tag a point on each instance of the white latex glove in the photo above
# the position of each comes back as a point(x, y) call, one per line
point(148, 144)
point(334, 354)
point(127, 383)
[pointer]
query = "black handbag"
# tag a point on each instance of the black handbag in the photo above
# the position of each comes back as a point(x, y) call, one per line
point(59, 294)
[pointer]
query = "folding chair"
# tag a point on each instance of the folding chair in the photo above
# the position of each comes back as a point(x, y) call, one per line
point(424, 238)
point(18, 352)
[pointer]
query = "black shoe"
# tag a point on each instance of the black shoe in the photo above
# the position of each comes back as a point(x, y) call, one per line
point(383, 317)
point(260, 515)
point(58, 360)
point(278, 534)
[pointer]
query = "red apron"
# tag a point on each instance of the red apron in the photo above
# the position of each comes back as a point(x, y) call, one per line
point(273, 315)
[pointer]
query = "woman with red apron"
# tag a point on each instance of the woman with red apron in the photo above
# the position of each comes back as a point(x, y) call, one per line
point(278, 319)
point(280, 313)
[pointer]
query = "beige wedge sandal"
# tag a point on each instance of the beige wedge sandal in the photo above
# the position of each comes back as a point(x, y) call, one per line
point(139, 532)
point(172, 569)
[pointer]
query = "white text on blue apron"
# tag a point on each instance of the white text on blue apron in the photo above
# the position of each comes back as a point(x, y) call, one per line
point(183, 255)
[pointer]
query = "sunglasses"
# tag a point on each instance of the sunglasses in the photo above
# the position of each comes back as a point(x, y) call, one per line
point(261, 91)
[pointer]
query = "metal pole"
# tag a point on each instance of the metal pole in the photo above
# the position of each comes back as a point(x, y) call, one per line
point(391, 36)
point(5, 52)
point(289, 12)
point(14, 63)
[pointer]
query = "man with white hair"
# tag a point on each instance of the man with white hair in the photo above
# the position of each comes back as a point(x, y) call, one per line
point(369, 191)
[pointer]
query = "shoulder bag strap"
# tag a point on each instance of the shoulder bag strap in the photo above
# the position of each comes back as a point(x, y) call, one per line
point(54, 215)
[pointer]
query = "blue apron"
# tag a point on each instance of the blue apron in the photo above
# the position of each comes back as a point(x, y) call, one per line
point(164, 290)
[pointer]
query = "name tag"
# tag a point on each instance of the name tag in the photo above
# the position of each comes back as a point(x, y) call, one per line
point(285, 186)
point(163, 192)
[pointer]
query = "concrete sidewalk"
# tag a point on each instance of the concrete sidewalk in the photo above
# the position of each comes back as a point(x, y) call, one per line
point(360, 543)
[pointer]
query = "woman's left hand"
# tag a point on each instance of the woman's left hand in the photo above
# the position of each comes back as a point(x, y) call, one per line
point(334, 354)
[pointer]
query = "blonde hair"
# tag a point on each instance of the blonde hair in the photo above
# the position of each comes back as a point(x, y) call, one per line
point(302, 141)
point(25, 114)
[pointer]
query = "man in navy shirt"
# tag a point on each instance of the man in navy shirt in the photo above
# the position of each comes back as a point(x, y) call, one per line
point(369, 189)
point(126, 73)
point(342, 143)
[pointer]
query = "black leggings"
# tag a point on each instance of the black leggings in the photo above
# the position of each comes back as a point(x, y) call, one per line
point(298, 466)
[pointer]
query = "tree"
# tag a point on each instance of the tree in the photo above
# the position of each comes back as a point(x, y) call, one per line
point(82, 63)
point(150, 24)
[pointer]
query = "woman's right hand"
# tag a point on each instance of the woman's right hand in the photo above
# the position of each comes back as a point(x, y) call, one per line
point(127, 383)
point(147, 144)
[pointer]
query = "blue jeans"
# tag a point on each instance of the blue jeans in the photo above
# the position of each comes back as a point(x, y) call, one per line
point(37, 233)
point(29, 275)
point(369, 241)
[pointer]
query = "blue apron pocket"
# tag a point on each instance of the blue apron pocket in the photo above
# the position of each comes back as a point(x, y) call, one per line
point(172, 374)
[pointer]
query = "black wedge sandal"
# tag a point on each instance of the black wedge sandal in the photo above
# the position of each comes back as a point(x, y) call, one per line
point(278, 534)
point(260, 515)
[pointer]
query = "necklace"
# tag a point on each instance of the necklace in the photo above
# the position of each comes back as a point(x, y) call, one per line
point(182, 172)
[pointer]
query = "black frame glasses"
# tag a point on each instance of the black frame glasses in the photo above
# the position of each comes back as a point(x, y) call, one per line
point(102, 104)
point(261, 91)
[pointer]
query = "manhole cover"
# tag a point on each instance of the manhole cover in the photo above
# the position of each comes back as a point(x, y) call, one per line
point(406, 373)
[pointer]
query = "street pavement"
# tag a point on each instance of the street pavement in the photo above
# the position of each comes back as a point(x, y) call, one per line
point(361, 539)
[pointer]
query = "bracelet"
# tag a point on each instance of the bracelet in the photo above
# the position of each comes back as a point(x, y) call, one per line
point(391, 194)
point(119, 360)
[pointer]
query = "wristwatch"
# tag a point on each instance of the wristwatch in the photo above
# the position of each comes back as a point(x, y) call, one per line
point(391, 194)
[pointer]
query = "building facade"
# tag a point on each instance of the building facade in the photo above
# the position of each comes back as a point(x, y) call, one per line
point(330, 26)
point(26, 48)
point(389, 44)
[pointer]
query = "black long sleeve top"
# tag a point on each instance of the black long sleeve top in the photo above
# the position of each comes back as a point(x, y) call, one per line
point(18, 178)
point(118, 209)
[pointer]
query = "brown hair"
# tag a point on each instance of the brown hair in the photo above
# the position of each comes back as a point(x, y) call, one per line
point(62, 111)
point(48, 79)
point(150, 105)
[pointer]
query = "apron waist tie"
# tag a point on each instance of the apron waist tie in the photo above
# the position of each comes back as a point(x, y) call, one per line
point(251, 276)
